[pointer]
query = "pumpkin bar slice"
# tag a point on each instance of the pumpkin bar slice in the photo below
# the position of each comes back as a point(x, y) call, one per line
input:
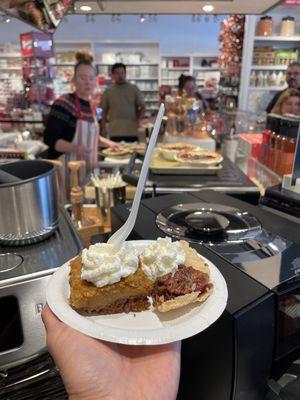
point(128, 293)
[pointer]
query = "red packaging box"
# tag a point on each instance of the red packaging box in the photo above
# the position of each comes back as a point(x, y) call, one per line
point(250, 144)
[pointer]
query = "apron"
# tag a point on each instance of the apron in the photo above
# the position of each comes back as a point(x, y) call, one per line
point(86, 134)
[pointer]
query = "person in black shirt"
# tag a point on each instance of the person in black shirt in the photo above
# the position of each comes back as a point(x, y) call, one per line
point(187, 86)
point(293, 81)
point(72, 128)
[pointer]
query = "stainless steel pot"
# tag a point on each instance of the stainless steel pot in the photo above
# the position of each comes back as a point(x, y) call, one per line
point(109, 197)
point(28, 207)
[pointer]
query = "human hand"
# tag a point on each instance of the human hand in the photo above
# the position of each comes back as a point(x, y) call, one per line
point(82, 150)
point(109, 143)
point(143, 122)
point(92, 369)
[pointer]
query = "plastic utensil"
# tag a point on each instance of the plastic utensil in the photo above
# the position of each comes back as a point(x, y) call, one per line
point(122, 234)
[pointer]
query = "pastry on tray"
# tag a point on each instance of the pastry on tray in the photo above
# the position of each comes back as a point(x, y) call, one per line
point(165, 274)
point(170, 150)
point(198, 157)
point(121, 152)
point(139, 148)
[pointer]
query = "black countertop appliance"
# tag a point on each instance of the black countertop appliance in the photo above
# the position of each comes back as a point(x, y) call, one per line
point(258, 335)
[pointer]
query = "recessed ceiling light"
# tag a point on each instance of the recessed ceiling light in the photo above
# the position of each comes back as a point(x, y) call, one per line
point(208, 8)
point(85, 8)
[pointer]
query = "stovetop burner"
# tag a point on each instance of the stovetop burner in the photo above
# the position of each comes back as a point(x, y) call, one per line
point(208, 223)
point(37, 259)
point(236, 236)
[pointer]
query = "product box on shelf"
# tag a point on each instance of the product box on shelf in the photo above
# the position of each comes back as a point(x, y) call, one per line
point(250, 144)
point(36, 44)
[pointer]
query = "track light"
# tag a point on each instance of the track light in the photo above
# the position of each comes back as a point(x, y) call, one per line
point(208, 8)
point(85, 8)
point(142, 19)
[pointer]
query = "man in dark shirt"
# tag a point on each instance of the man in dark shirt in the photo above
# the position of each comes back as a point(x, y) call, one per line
point(292, 79)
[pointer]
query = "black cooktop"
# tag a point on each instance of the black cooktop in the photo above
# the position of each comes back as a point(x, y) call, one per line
point(23, 262)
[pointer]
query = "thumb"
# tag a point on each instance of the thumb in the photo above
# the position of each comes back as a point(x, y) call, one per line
point(50, 321)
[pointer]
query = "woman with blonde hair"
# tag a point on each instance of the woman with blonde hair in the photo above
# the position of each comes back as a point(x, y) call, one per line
point(288, 103)
point(72, 130)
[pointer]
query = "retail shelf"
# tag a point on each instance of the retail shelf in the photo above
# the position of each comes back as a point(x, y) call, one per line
point(277, 38)
point(269, 67)
point(142, 79)
point(176, 69)
point(206, 68)
point(267, 88)
point(128, 65)
point(10, 55)
point(11, 68)
point(64, 65)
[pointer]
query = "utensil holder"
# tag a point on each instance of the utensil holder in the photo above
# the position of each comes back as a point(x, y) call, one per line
point(109, 197)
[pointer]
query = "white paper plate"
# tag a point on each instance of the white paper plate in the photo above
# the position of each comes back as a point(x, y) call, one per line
point(143, 328)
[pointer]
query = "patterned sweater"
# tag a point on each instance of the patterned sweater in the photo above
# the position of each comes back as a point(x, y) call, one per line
point(61, 123)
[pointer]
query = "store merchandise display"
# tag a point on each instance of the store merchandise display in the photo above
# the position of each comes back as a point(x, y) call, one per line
point(204, 67)
point(272, 53)
point(37, 52)
point(231, 47)
point(11, 85)
point(268, 55)
point(186, 118)
point(279, 143)
point(266, 157)
point(268, 79)
point(265, 26)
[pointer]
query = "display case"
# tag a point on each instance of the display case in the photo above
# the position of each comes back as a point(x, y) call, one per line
point(265, 60)
point(37, 57)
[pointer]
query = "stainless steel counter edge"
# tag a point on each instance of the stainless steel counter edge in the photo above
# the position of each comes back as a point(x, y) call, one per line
point(226, 189)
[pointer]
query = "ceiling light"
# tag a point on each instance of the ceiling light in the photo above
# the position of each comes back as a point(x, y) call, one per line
point(85, 8)
point(142, 18)
point(208, 8)
point(7, 19)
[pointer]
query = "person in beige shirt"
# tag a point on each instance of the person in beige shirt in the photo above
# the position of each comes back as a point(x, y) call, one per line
point(122, 103)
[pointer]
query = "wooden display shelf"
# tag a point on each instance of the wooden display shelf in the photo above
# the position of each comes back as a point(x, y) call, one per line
point(94, 223)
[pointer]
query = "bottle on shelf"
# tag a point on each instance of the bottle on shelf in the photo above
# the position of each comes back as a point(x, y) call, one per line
point(288, 154)
point(265, 26)
point(253, 79)
point(287, 26)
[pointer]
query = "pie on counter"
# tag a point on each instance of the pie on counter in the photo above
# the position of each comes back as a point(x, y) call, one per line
point(198, 157)
point(121, 152)
point(165, 274)
point(170, 150)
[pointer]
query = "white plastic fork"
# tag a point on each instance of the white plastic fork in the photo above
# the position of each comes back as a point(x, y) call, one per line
point(122, 234)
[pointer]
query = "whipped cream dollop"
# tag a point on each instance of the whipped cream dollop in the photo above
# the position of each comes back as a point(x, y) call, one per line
point(102, 266)
point(162, 257)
